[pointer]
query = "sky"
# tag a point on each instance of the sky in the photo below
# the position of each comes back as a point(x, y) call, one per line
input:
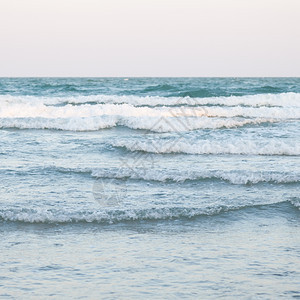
point(149, 38)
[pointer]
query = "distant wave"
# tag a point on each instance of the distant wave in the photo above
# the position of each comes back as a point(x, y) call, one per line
point(158, 88)
point(27, 110)
point(174, 91)
point(236, 147)
point(110, 216)
point(45, 113)
point(197, 93)
point(280, 100)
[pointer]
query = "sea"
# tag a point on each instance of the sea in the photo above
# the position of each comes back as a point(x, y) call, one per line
point(153, 188)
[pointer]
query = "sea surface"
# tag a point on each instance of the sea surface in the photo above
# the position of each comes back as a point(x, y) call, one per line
point(154, 188)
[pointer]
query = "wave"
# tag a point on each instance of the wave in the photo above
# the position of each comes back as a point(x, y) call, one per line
point(70, 124)
point(173, 90)
point(197, 93)
point(24, 113)
point(235, 147)
point(280, 100)
point(115, 215)
point(229, 112)
point(233, 177)
point(158, 88)
point(155, 124)
point(103, 216)
point(267, 89)
point(239, 177)
point(236, 177)
point(295, 202)
point(127, 110)
point(98, 216)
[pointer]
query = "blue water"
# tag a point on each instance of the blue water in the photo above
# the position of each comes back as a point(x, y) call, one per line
point(122, 188)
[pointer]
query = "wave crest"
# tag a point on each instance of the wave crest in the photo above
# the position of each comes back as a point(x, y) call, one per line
point(235, 147)
point(147, 174)
point(111, 216)
point(280, 100)
point(155, 124)
point(32, 113)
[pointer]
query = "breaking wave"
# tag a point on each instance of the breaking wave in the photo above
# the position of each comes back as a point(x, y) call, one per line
point(233, 177)
point(115, 215)
point(102, 216)
point(281, 100)
point(241, 177)
point(155, 124)
point(128, 110)
point(58, 113)
point(236, 147)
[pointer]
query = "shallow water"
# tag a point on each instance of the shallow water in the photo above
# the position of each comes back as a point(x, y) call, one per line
point(149, 187)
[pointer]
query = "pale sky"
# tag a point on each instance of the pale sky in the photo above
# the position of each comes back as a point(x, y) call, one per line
point(150, 38)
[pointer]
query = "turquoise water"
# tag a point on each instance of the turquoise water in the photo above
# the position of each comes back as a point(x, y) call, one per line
point(122, 188)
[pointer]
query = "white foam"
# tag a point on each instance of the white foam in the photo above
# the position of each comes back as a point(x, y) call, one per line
point(283, 100)
point(112, 215)
point(233, 177)
point(115, 215)
point(238, 111)
point(155, 124)
point(23, 112)
point(72, 124)
point(237, 147)
point(103, 216)
point(32, 110)
point(296, 202)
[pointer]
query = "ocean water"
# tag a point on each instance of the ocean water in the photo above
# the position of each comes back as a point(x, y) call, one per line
point(161, 188)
